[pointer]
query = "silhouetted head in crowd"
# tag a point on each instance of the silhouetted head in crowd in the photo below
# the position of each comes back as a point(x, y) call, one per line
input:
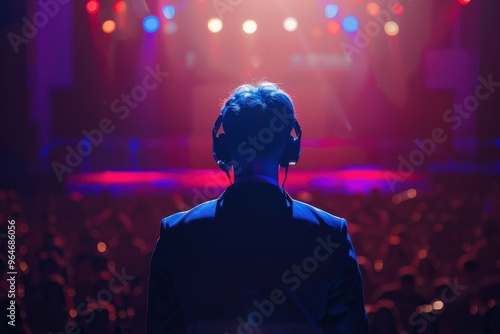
point(407, 277)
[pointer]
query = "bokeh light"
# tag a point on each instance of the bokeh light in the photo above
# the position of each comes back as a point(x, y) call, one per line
point(120, 6)
point(373, 8)
point(92, 7)
point(391, 28)
point(108, 26)
point(333, 27)
point(350, 24)
point(151, 24)
point(249, 26)
point(215, 25)
point(464, 2)
point(101, 247)
point(331, 11)
point(171, 28)
point(398, 9)
point(168, 12)
point(290, 24)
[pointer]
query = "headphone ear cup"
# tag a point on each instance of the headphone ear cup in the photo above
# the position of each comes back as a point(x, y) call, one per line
point(290, 153)
point(220, 149)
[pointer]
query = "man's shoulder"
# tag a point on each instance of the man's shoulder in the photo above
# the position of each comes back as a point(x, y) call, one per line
point(312, 214)
point(202, 211)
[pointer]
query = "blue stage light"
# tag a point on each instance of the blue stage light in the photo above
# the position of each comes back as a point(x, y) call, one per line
point(151, 24)
point(331, 11)
point(168, 12)
point(350, 24)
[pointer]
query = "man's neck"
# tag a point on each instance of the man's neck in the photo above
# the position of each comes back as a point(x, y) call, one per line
point(265, 173)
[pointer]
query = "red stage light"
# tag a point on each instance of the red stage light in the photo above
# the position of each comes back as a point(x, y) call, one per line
point(464, 2)
point(333, 27)
point(119, 6)
point(398, 9)
point(92, 6)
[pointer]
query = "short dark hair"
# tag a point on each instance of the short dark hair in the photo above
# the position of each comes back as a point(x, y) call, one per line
point(265, 112)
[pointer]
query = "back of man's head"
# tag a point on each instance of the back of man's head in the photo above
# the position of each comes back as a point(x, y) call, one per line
point(258, 121)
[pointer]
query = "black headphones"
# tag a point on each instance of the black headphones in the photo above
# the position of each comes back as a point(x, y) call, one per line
point(222, 153)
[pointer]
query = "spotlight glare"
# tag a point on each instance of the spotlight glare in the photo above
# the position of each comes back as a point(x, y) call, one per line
point(249, 26)
point(331, 11)
point(391, 28)
point(372, 8)
point(333, 27)
point(290, 24)
point(120, 6)
point(215, 25)
point(350, 24)
point(92, 6)
point(464, 2)
point(151, 23)
point(108, 26)
point(168, 12)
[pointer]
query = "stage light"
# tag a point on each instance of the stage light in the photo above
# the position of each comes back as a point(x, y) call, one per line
point(464, 2)
point(120, 6)
point(350, 24)
point(333, 27)
point(249, 26)
point(372, 8)
point(168, 12)
point(331, 11)
point(398, 9)
point(108, 26)
point(151, 24)
point(215, 25)
point(171, 28)
point(391, 28)
point(92, 7)
point(290, 24)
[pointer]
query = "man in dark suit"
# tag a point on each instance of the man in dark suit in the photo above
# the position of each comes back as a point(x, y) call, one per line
point(254, 260)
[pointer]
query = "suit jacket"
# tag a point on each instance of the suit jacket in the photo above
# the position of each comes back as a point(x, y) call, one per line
point(255, 261)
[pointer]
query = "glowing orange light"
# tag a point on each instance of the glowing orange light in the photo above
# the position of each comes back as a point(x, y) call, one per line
point(101, 247)
point(333, 27)
point(372, 8)
point(422, 254)
point(378, 265)
point(464, 2)
point(120, 6)
point(108, 26)
point(437, 305)
point(92, 7)
point(73, 313)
